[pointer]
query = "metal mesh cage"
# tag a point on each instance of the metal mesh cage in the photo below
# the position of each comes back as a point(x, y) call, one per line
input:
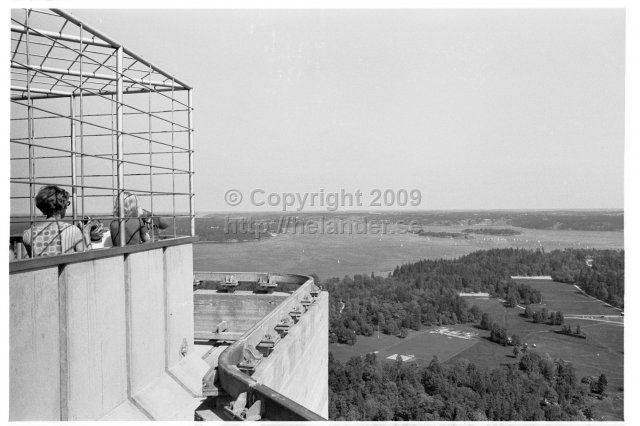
point(90, 116)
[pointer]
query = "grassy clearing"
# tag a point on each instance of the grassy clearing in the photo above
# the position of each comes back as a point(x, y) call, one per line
point(423, 345)
point(568, 299)
point(601, 352)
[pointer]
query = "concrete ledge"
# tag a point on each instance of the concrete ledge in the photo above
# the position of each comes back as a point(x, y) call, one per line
point(47, 261)
point(166, 399)
point(126, 411)
point(189, 372)
point(172, 396)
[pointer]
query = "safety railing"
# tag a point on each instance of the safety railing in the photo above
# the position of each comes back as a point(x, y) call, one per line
point(93, 118)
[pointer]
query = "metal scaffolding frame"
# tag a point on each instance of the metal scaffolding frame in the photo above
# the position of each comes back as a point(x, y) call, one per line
point(127, 125)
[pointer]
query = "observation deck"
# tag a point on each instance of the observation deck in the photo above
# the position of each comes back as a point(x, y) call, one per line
point(112, 334)
point(122, 333)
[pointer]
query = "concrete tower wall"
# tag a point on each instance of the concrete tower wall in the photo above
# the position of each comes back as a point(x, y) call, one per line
point(298, 368)
point(94, 371)
point(292, 381)
point(34, 342)
point(103, 337)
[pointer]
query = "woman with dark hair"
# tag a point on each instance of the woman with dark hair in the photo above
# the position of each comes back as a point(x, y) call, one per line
point(53, 237)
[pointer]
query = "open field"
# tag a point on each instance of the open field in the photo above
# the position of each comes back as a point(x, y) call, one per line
point(568, 299)
point(601, 352)
point(424, 345)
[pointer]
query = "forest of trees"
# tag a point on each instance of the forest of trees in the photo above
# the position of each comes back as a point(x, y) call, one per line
point(489, 270)
point(534, 388)
point(360, 305)
point(426, 292)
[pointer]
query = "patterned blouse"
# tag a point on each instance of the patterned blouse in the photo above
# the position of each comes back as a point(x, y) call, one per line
point(51, 238)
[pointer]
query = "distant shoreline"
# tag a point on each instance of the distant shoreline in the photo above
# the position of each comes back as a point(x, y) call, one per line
point(527, 277)
point(543, 210)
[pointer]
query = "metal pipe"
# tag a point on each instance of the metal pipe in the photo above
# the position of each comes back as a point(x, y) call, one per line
point(135, 163)
point(116, 44)
point(21, 29)
point(100, 135)
point(141, 192)
point(18, 178)
point(135, 57)
point(172, 122)
point(18, 65)
point(74, 192)
point(191, 174)
point(173, 177)
point(81, 123)
point(109, 115)
point(97, 216)
point(99, 93)
point(51, 46)
point(120, 147)
point(150, 158)
point(38, 90)
point(30, 135)
point(102, 127)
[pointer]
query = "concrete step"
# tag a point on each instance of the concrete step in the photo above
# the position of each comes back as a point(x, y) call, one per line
point(189, 372)
point(127, 411)
point(166, 399)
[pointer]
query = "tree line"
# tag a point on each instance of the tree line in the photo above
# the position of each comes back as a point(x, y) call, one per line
point(603, 280)
point(426, 293)
point(534, 388)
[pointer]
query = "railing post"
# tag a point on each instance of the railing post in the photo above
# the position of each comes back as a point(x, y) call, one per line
point(32, 164)
point(120, 145)
point(192, 212)
point(74, 191)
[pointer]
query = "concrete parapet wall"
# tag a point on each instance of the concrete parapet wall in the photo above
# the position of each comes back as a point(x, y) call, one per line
point(178, 268)
point(146, 317)
point(34, 342)
point(96, 339)
point(95, 370)
point(298, 366)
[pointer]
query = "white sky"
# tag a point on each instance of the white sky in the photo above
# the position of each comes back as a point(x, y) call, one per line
point(478, 109)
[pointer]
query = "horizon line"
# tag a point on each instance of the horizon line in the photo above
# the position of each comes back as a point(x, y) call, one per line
point(289, 212)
